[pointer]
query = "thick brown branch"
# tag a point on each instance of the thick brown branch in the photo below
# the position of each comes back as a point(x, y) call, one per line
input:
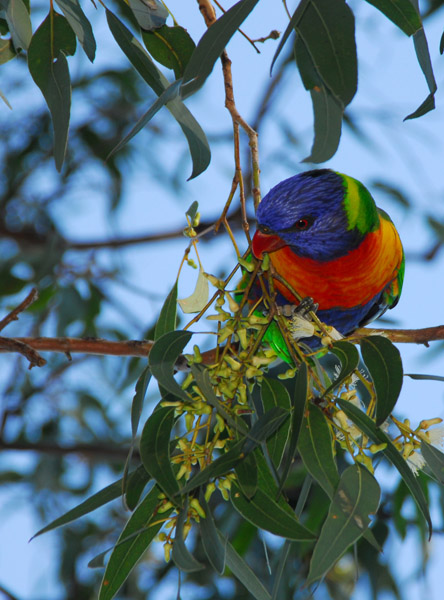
point(404, 336)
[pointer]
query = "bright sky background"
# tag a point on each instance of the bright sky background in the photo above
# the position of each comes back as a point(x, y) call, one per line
point(407, 154)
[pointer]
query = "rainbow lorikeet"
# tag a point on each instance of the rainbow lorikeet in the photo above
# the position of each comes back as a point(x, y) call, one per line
point(328, 240)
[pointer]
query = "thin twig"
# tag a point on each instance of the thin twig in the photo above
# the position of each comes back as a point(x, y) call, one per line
point(90, 450)
point(13, 315)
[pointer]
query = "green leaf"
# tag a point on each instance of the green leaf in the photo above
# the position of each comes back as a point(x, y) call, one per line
point(19, 23)
point(80, 25)
point(193, 210)
point(246, 472)
point(167, 320)
point(383, 361)
point(163, 357)
point(356, 498)
point(136, 483)
point(274, 393)
point(128, 552)
point(316, 450)
point(169, 94)
point(155, 450)
point(423, 56)
point(139, 397)
point(434, 459)
point(401, 12)
point(47, 63)
point(109, 493)
point(369, 428)
point(299, 403)
point(197, 141)
point(172, 47)
point(265, 513)
point(327, 29)
point(423, 376)
point(211, 46)
point(327, 111)
point(244, 573)
point(6, 51)
point(149, 15)
point(349, 357)
point(182, 557)
point(214, 549)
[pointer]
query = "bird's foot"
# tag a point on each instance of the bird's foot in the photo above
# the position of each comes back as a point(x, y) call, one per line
point(302, 309)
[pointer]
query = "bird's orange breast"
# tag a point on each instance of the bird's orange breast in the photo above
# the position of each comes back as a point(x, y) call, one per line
point(349, 281)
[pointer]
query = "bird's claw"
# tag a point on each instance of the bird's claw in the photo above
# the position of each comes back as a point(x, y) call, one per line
point(301, 310)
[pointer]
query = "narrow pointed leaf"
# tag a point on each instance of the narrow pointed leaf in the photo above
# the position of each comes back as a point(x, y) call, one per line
point(182, 557)
point(383, 361)
point(149, 15)
point(155, 450)
point(265, 426)
point(19, 23)
point(265, 513)
point(80, 25)
point(136, 483)
point(212, 44)
point(370, 429)
point(349, 357)
point(423, 56)
point(172, 47)
point(168, 315)
point(434, 459)
point(356, 498)
point(47, 63)
point(214, 549)
point(299, 402)
point(244, 573)
point(126, 555)
point(109, 493)
point(295, 18)
point(401, 12)
point(163, 357)
point(424, 376)
point(195, 136)
point(138, 399)
point(316, 450)
point(274, 393)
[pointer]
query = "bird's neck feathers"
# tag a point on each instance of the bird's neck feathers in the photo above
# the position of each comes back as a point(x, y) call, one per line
point(359, 206)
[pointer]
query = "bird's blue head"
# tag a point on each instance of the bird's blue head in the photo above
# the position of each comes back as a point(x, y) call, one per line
point(320, 214)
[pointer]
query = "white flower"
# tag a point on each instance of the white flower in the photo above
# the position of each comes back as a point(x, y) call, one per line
point(435, 436)
point(300, 327)
point(416, 461)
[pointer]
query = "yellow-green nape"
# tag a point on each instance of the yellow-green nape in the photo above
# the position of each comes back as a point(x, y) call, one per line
point(359, 205)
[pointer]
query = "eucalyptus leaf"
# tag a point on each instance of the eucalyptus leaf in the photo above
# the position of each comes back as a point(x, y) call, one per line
point(182, 557)
point(19, 23)
point(172, 47)
point(434, 459)
point(162, 358)
point(274, 393)
point(349, 357)
point(167, 320)
point(80, 25)
point(149, 15)
point(214, 549)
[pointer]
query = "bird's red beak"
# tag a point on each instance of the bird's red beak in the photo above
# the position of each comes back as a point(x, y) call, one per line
point(264, 242)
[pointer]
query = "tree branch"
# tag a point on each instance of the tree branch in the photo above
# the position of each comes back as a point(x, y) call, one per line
point(89, 450)
point(403, 336)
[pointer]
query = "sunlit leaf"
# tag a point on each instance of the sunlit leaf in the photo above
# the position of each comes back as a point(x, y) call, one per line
point(19, 23)
point(47, 63)
point(149, 15)
point(356, 498)
point(370, 429)
point(316, 450)
point(126, 554)
point(163, 356)
point(172, 47)
point(155, 449)
point(211, 46)
point(80, 25)
point(199, 298)
point(383, 361)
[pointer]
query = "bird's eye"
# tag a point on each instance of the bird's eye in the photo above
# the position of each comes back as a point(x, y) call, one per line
point(302, 224)
point(264, 229)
